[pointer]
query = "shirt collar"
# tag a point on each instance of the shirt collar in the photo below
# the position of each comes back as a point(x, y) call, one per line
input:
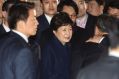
point(113, 53)
point(81, 22)
point(22, 35)
point(48, 18)
point(7, 29)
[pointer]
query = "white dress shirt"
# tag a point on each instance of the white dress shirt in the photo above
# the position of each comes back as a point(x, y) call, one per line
point(48, 18)
point(7, 29)
point(81, 22)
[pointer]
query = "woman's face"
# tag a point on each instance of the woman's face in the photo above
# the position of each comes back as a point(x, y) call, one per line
point(63, 33)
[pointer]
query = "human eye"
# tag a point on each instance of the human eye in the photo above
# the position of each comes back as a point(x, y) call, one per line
point(70, 29)
point(54, 2)
point(73, 15)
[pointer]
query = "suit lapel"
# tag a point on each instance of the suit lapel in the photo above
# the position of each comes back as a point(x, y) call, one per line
point(2, 30)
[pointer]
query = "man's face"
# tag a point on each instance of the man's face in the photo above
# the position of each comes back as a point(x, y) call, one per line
point(71, 12)
point(49, 7)
point(94, 8)
point(81, 6)
point(31, 23)
point(113, 12)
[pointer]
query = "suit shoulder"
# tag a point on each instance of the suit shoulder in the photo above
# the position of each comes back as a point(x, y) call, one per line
point(40, 17)
point(92, 17)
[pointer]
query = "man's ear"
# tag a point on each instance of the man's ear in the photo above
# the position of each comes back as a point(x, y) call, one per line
point(101, 9)
point(20, 25)
point(4, 14)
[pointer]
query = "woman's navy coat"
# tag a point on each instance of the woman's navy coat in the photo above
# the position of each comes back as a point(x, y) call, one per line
point(55, 60)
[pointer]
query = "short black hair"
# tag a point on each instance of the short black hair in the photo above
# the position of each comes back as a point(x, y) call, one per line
point(67, 3)
point(19, 11)
point(111, 24)
point(99, 2)
point(7, 4)
point(60, 19)
point(114, 4)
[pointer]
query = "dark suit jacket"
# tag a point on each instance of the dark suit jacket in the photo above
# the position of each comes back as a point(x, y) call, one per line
point(43, 22)
point(55, 60)
point(81, 35)
point(85, 55)
point(90, 25)
point(107, 68)
point(2, 30)
point(17, 60)
point(43, 25)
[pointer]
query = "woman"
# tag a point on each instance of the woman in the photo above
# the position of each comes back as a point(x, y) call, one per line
point(56, 53)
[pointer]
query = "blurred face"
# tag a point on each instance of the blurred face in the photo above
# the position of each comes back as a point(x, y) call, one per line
point(94, 9)
point(5, 15)
point(31, 23)
point(113, 12)
point(63, 33)
point(49, 7)
point(71, 12)
point(82, 7)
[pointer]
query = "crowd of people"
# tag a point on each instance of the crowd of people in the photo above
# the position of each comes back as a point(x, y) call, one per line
point(72, 39)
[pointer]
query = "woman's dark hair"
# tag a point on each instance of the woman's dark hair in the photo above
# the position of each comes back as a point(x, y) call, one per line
point(19, 11)
point(60, 19)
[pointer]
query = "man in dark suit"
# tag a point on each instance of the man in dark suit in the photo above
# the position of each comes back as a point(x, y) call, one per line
point(49, 10)
point(17, 60)
point(107, 67)
point(95, 7)
point(85, 21)
point(4, 25)
point(113, 8)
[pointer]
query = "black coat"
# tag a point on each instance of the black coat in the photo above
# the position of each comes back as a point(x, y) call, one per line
point(84, 55)
point(106, 68)
point(55, 59)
